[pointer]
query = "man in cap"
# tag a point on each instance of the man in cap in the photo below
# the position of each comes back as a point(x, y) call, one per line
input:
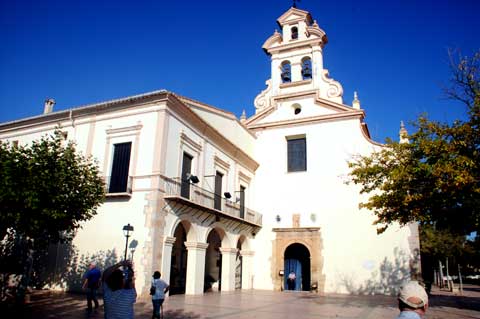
point(412, 301)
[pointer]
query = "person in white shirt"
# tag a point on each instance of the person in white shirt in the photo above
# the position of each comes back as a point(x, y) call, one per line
point(161, 288)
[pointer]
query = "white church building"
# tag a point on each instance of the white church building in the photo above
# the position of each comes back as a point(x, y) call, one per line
point(220, 203)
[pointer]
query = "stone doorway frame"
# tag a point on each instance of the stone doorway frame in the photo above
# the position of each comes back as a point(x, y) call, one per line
point(311, 238)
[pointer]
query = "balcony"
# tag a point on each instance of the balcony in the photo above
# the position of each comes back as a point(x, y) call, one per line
point(118, 188)
point(197, 197)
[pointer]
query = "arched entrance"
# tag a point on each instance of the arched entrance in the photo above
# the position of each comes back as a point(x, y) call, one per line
point(297, 261)
point(178, 270)
point(238, 266)
point(213, 262)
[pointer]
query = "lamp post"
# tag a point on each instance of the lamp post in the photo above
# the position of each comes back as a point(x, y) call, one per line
point(126, 231)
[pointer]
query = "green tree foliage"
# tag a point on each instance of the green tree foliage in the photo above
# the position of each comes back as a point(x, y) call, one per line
point(47, 188)
point(435, 178)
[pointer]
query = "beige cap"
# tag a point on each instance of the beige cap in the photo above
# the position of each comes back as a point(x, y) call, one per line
point(413, 290)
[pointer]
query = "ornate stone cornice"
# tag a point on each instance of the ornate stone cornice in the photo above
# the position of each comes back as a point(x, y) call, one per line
point(295, 45)
point(295, 83)
point(169, 240)
point(247, 252)
point(228, 250)
point(196, 246)
point(296, 230)
point(308, 120)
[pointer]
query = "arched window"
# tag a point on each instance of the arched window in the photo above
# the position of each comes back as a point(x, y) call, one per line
point(294, 31)
point(306, 68)
point(286, 72)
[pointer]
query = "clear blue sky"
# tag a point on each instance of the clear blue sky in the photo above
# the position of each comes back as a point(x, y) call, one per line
point(394, 53)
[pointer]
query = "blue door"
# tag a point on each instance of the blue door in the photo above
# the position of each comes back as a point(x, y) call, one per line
point(295, 266)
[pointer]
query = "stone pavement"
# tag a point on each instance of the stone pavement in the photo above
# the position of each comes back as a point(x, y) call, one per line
point(261, 304)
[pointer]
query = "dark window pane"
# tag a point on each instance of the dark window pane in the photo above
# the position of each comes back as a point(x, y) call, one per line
point(186, 170)
point(120, 167)
point(242, 201)
point(297, 155)
point(218, 191)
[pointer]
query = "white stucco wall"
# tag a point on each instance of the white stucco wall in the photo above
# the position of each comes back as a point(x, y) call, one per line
point(352, 251)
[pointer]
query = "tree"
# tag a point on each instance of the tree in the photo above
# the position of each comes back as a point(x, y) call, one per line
point(46, 190)
point(435, 178)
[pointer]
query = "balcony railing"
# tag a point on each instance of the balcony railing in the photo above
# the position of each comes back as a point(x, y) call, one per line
point(211, 201)
point(122, 188)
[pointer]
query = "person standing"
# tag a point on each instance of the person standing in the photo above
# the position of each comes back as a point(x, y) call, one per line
point(291, 280)
point(161, 288)
point(119, 292)
point(92, 283)
point(412, 301)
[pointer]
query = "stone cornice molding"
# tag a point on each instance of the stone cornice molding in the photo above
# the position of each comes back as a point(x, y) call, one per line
point(366, 134)
point(85, 110)
point(295, 83)
point(250, 123)
point(316, 31)
point(294, 45)
point(272, 40)
point(296, 230)
point(190, 142)
point(302, 16)
point(210, 108)
point(196, 245)
point(244, 177)
point(218, 161)
point(134, 128)
point(228, 250)
point(169, 240)
point(247, 252)
point(215, 137)
point(309, 120)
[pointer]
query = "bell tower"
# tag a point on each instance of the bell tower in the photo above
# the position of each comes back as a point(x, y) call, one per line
point(297, 61)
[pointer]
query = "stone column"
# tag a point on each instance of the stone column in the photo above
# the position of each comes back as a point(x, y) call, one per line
point(167, 257)
point(317, 66)
point(247, 267)
point(228, 268)
point(296, 70)
point(195, 268)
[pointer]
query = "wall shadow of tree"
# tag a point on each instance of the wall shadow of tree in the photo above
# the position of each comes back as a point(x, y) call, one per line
point(79, 265)
point(386, 280)
point(62, 266)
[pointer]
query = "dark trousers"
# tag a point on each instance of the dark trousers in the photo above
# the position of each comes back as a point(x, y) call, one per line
point(92, 296)
point(291, 284)
point(157, 303)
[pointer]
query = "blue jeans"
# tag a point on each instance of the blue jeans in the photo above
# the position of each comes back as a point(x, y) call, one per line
point(92, 296)
point(157, 303)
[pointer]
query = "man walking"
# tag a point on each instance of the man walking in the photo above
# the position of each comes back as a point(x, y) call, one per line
point(92, 283)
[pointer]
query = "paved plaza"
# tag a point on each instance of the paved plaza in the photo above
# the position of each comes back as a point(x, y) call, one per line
point(262, 304)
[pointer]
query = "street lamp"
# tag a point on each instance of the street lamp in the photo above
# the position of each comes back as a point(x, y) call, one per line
point(126, 231)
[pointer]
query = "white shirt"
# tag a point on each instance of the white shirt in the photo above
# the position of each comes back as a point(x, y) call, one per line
point(160, 286)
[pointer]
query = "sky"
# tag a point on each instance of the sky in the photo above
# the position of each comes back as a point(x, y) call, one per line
point(394, 53)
